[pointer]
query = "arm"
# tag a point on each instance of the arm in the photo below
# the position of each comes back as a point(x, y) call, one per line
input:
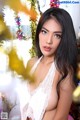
point(65, 99)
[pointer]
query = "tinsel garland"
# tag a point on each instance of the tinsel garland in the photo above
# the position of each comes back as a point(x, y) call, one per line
point(33, 25)
point(33, 28)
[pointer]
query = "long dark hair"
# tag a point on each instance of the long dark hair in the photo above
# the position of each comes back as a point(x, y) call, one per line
point(66, 53)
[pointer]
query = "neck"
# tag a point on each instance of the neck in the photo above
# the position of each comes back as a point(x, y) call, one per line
point(47, 60)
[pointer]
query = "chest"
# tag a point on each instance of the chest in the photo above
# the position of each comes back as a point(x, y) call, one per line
point(41, 92)
point(45, 78)
point(41, 95)
point(41, 98)
point(39, 74)
point(53, 99)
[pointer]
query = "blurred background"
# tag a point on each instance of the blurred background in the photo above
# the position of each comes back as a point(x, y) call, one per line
point(18, 21)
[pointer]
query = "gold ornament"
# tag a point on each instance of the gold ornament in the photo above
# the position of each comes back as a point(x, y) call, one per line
point(16, 64)
point(17, 6)
point(76, 95)
point(2, 26)
point(4, 30)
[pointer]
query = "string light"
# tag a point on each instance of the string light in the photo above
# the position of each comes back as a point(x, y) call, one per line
point(19, 32)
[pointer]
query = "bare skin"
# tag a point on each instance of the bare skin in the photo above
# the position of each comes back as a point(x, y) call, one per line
point(49, 39)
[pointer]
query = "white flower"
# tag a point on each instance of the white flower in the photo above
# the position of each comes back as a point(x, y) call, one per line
point(9, 16)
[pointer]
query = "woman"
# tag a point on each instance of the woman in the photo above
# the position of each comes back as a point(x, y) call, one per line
point(49, 97)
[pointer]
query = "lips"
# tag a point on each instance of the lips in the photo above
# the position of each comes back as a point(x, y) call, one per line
point(46, 48)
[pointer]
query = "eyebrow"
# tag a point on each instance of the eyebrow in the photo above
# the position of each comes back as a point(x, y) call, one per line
point(54, 31)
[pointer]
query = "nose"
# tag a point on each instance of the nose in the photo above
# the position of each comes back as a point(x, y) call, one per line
point(49, 39)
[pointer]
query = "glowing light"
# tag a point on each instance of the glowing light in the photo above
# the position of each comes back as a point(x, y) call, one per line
point(9, 16)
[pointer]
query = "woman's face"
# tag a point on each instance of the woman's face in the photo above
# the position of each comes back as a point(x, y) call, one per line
point(50, 37)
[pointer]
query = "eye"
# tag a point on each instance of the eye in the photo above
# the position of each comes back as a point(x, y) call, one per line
point(43, 31)
point(58, 36)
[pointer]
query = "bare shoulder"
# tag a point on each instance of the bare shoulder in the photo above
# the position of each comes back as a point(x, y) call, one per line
point(32, 61)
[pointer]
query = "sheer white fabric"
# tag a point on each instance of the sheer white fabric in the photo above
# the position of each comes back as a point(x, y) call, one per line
point(36, 102)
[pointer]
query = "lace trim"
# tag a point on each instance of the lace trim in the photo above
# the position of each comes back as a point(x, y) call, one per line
point(35, 65)
point(48, 79)
point(46, 86)
point(28, 112)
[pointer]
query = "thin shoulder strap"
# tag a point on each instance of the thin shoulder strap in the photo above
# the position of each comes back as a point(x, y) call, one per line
point(35, 65)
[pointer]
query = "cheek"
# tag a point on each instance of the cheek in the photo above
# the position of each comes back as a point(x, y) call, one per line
point(56, 43)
